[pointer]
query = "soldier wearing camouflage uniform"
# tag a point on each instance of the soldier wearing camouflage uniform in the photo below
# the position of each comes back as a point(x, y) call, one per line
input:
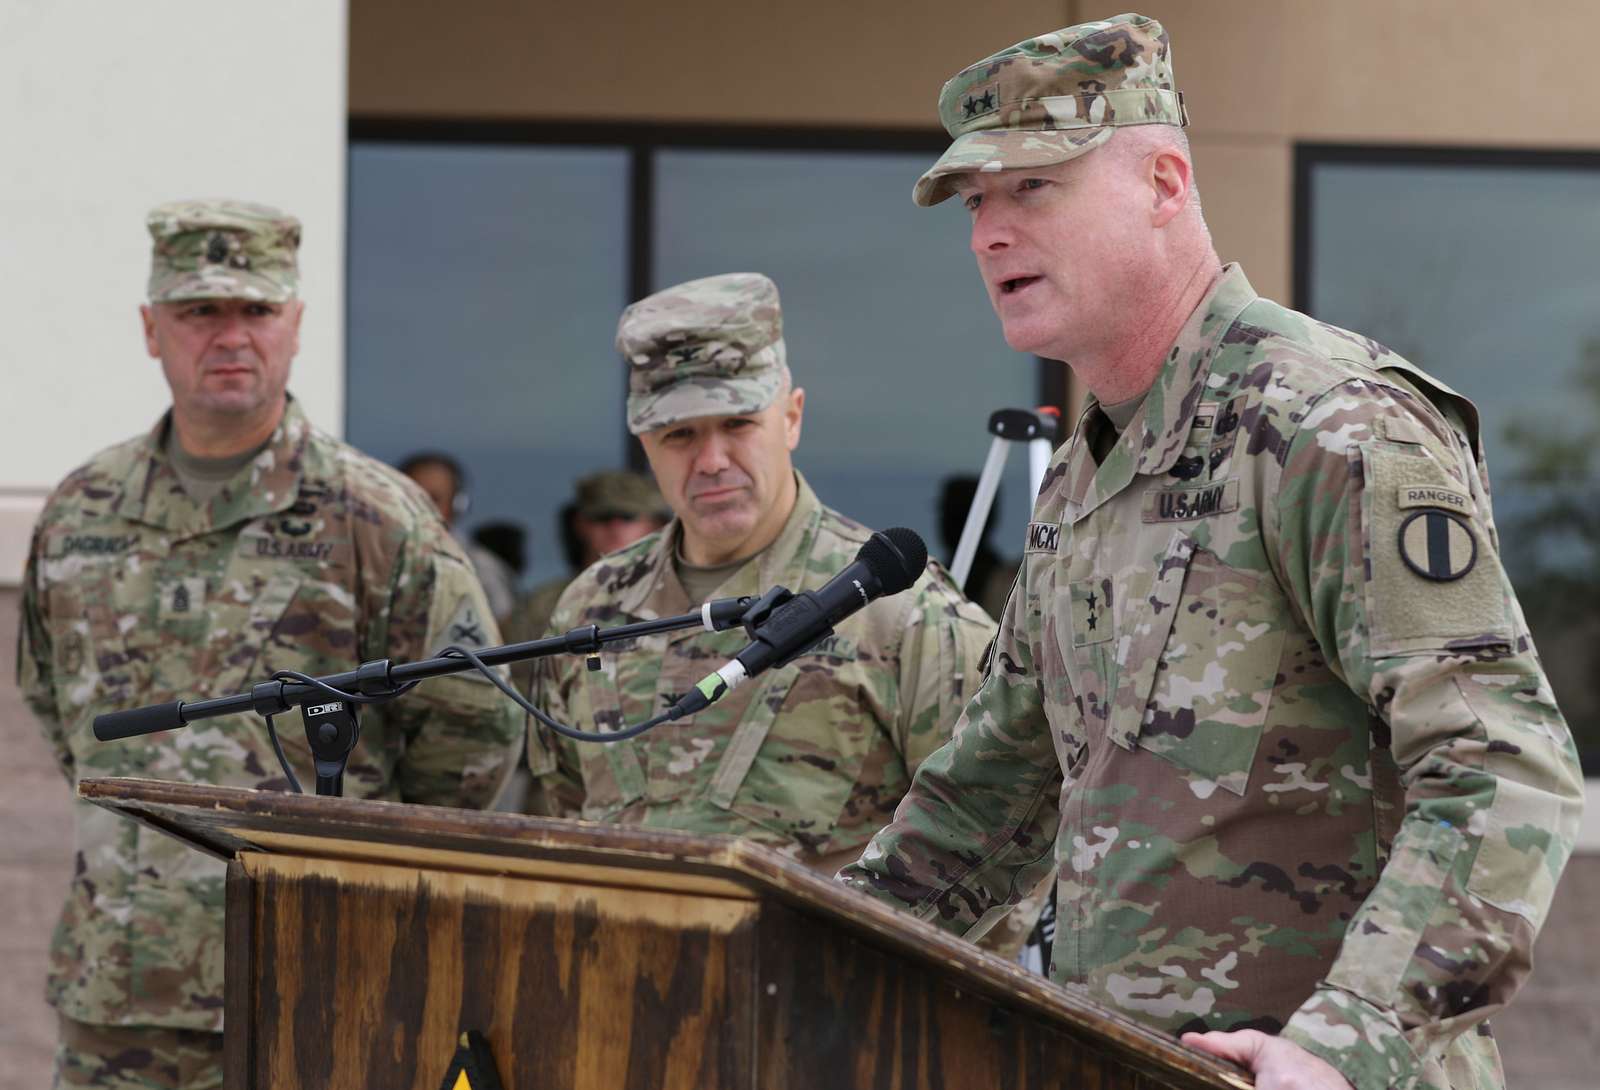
point(1263, 688)
point(811, 758)
point(231, 541)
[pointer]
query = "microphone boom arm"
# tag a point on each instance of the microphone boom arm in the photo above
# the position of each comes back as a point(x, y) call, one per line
point(382, 680)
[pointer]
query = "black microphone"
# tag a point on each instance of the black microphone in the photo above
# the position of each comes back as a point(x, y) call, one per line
point(889, 562)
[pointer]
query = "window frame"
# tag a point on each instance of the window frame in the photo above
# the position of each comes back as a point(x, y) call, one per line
point(642, 141)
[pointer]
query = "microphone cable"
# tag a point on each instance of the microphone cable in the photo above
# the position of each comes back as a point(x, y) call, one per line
point(456, 651)
point(453, 651)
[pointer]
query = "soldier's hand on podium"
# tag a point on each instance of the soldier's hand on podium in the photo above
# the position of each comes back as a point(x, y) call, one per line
point(1277, 1064)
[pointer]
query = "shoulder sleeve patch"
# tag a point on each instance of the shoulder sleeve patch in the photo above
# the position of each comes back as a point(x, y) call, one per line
point(1432, 575)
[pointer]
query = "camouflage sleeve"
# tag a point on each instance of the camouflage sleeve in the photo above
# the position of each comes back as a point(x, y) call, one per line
point(460, 732)
point(557, 786)
point(1386, 544)
point(941, 656)
point(34, 671)
point(976, 832)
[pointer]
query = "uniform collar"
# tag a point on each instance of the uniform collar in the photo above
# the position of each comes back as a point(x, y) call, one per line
point(783, 562)
point(267, 484)
point(1156, 436)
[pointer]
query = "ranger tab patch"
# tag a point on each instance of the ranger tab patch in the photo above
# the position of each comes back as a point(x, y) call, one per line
point(1438, 545)
point(1433, 496)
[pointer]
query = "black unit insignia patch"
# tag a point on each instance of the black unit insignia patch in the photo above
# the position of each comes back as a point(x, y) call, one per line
point(1438, 545)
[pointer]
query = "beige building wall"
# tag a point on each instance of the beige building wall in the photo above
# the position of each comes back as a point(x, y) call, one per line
point(1259, 75)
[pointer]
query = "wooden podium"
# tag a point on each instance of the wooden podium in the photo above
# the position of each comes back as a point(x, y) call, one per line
point(364, 938)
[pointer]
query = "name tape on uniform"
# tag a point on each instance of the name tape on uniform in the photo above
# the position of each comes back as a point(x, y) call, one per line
point(1043, 537)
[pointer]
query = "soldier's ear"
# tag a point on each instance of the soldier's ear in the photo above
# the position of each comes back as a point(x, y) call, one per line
point(149, 320)
point(299, 306)
point(1171, 179)
point(793, 412)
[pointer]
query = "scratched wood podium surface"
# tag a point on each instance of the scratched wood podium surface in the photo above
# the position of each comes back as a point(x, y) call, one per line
point(363, 938)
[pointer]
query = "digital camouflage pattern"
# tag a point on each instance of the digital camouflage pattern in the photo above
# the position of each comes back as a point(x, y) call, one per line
point(709, 347)
point(809, 759)
point(1292, 784)
point(218, 249)
point(1053, 98)
point(314, 558)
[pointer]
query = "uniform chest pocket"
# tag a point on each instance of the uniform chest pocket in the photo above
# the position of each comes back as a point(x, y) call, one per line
point(799, 749)
point(613, 775)
point(257, 627)
point(1199, 665)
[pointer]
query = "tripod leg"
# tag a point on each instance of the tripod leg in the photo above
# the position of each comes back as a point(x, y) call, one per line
point(978, 514)
point(1039, 452)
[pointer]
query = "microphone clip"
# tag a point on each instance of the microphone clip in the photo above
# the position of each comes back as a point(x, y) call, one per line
point(761, 609)
point(332, 730)
point(781, 619)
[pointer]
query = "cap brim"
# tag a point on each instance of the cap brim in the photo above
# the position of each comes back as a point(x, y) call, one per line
point(235, 284)
point(993, 150)
point(701, 397)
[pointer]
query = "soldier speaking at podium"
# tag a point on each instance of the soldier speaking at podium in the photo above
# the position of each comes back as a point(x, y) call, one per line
point(1263, 683)
point(232, 540)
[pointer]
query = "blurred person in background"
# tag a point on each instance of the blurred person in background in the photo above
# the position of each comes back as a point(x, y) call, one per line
point(508, 541)
point(445, 482)
point(609, 510)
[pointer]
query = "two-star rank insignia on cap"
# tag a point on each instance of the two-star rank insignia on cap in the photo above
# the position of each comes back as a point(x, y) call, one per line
point(1438, 545)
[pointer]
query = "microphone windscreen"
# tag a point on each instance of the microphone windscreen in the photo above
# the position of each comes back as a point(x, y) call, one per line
point(896, 557)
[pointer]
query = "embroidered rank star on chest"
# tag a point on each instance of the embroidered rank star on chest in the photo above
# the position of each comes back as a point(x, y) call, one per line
point(1091, 611)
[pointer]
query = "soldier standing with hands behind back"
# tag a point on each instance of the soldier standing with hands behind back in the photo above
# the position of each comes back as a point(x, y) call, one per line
point(232, 540)
point(1263, 682)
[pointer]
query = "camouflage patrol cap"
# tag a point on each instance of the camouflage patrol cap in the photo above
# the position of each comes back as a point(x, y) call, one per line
point(222, 250)
point(617, 493)
point(710, 347)
point(1053, 98)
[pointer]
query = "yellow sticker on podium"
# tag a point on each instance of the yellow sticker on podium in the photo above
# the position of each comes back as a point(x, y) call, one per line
point(472, 1067)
